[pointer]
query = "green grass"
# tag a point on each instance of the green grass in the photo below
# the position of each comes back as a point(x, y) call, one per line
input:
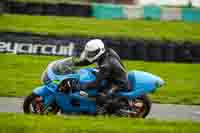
point(18, 123)
point(65, 26)
point(21, 73)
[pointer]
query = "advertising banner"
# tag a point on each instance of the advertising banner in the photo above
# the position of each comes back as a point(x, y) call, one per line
point(171, 14)
point(24, 43)
point(133, 12)
point(191, 14)
point(107, 11)
point(132, 49)
point(152, 12)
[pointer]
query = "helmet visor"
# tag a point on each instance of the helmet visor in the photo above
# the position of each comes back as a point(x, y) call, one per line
point(91, 54)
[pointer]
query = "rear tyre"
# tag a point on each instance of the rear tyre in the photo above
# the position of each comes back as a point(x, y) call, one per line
point(31, 106)
point(136, 108)
point(141, 106)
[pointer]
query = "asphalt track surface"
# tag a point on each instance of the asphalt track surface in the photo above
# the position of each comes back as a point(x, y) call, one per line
point(158, 111)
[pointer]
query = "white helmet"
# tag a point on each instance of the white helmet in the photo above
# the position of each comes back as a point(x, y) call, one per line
point(93, 50)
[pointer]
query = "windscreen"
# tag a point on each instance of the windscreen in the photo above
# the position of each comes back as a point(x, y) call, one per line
point(63, 66)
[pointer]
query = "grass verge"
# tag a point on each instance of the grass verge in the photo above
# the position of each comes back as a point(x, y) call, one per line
point(65, 26)
point(18, 123)
point(21, 73)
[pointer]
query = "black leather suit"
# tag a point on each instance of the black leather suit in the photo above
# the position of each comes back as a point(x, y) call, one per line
point(110, 68)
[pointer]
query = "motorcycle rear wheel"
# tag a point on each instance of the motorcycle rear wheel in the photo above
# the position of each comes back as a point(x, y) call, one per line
point(142, 106)
point(136, 108)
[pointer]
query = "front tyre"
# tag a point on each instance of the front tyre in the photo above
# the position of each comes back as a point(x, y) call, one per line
point(33, 104)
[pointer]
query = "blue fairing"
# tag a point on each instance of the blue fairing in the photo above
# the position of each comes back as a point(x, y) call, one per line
point(91, 92)
point(42, 91)
point(83, 75)
point(140, 83)
point(147, 81)
point(86, 75)
point(66, 102)
point(46, 93)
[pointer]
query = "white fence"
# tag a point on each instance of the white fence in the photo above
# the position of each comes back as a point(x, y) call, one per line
point(195, 3)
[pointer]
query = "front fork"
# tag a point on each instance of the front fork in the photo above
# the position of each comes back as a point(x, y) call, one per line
point(38, 104)
point(43, 98)
point(42, 105)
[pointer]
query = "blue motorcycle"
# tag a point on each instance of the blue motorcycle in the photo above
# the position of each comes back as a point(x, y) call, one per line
point(65, 94)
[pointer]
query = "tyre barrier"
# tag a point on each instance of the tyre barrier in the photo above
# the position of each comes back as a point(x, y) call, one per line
point(61, 9)
point(49, 9)
point(74, 10)
point(33, 8)
point(115, 44)
point(195, 51)
point(154, 51)
point(183, 53)
point(104, 11)
point(1, 7)
point(168, 51)
point(133, 49)
point(15, 7)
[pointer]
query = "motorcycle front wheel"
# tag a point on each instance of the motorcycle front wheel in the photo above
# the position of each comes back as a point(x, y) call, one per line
point(33, 105)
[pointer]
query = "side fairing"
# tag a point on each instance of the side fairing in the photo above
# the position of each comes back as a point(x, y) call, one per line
point(141, 83)
point(147, 81)
point(75, 103)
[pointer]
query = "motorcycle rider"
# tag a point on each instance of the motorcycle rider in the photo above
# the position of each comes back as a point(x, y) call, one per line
point(108, 63)
point(109, 66)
